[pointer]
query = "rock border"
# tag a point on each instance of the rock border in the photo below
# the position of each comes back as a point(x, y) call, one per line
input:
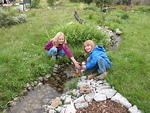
point(100, 90)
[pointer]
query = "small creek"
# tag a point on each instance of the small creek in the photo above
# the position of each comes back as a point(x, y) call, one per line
point(53, 87)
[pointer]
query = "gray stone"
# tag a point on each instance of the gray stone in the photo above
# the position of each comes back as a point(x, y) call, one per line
point(80, 99)
point(70, 108)
point(108, 92)
point(40, 79)
point(89, 97)
point(118, 32)
point(67, 100)
point(52, 111)
point(81, 105)
point(99, 97)
point(59, 109)
point(122, 100)
point(134, 109)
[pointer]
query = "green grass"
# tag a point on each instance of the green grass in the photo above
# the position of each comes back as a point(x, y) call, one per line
point(22, 58)
point(131, 62)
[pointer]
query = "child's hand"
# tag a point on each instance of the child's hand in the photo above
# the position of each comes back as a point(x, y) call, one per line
point(82, 71)
point(83, 65)
point(55, 43)
point(77, 65)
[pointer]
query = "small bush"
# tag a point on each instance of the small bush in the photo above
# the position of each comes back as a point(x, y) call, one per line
point(50, 2)
point(87, 1)
point(35, 3)
point(77, 33)
point(125, 16)
point(74, 0)
point(90, 8)
point(22, 18)
point(7, 19)
point(72, 84)
point(101, 2)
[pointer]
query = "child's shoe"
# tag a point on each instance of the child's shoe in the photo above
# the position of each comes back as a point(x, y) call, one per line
point(102, 76)
point(91, 76)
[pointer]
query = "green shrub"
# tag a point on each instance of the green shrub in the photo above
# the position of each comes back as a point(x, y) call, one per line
point(9, 18)
point(35, 3)
point(72, 84)
point(50, 2)
point(125, 16)
point(87, 1)
point(74, 0)
point(90, 8)
point(101, 2)
point(77, 33)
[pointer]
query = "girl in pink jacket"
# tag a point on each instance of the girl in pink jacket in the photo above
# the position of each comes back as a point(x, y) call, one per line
point(58, 46)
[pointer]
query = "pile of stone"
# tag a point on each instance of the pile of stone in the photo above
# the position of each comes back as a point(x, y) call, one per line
point(87, 91)
point(113, 36)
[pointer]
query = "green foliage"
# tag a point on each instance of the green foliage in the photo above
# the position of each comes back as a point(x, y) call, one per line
point(72, 84)
point(8, 18)
point(74, 0)
point(101, 2)
point(50, 2)
point(142, 8)
point(35, 3)
point(90, 8)
point(125, 16)
point(78, 33)
point(87, 1)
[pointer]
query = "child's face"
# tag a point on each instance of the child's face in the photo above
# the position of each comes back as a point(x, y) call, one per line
point(61, 39)
point(88, 48)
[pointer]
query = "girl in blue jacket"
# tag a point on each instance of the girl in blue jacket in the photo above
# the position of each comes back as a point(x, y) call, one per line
point(97, 59)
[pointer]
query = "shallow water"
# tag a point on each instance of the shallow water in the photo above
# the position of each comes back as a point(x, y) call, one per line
point(35, 99)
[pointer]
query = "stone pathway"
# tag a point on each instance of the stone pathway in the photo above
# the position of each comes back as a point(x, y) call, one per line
point(98, 91)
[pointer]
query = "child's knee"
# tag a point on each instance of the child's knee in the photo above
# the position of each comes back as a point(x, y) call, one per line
point(52, 51)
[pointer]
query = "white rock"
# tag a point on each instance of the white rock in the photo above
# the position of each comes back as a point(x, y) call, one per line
point(89, 97)
point(99, 97)
point(67, 100)
point(80, 99)
point(52, 111)
point(108, 92)
point(134, 109)
point(70, 108)
point(83, 78)
point(118, 32)
point(81, 105)
point(102, 88)
point(122, 100)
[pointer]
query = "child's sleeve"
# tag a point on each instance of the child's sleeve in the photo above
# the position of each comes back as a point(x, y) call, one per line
point(48, 45)
point(67, 51)
point(91, 62)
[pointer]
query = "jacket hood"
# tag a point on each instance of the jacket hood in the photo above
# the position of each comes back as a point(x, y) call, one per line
point(99, 48)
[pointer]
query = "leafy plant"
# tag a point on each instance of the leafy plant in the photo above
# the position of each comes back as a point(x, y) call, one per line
point(72, 84)
point(101, 2)
point(78, 33)
point(35, 3)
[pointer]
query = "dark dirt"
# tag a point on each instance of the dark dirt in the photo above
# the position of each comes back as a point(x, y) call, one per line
point(107, 106)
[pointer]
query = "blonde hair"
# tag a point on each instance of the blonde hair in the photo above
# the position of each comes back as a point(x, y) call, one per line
point(89, 42)
point(58, 35)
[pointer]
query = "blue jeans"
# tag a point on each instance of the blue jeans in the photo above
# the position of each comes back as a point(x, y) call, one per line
point(100, 67)
point(54, 51)
point(103, 65)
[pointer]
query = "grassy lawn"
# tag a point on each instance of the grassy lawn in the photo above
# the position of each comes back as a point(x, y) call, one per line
point(22, 58)
point(131, 62)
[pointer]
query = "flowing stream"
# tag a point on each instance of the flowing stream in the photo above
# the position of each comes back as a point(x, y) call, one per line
point(35, 99)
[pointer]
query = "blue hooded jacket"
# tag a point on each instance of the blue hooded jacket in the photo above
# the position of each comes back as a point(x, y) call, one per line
point(93, 56)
